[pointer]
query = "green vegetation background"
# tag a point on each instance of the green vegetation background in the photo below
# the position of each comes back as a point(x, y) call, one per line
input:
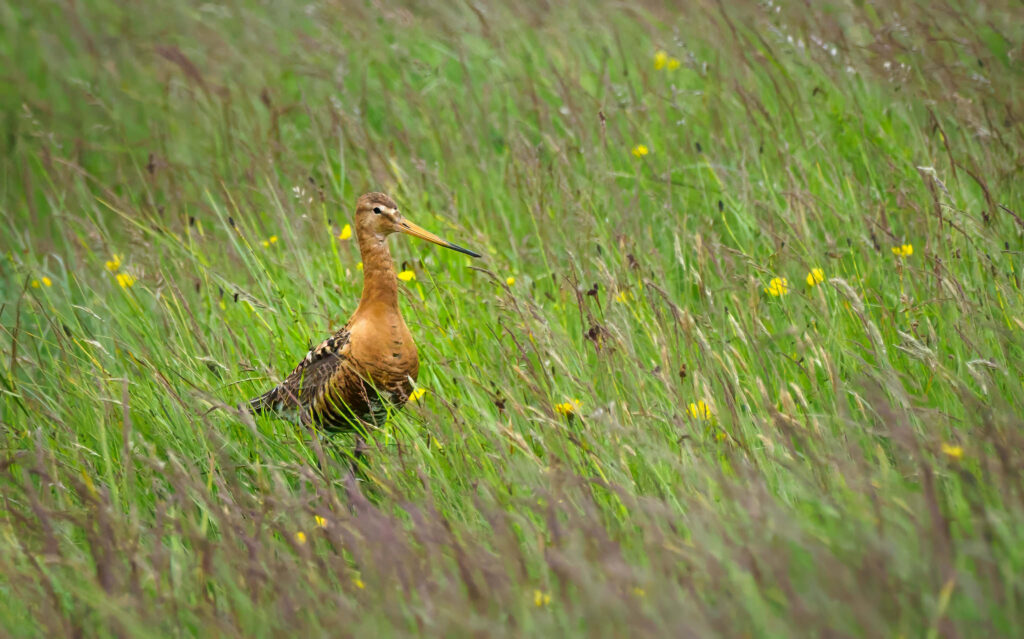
point(640, 432)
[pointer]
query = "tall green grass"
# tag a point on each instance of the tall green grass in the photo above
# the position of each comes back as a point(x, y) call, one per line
point(843, 459)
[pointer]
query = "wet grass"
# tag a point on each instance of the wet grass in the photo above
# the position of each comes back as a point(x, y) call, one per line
point(631, 423)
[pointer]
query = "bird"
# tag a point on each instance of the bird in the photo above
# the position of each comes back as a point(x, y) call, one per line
point(351, 377)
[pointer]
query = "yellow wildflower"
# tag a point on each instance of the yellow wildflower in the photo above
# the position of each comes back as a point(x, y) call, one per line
point(406, 276)
point(320, 521)
point(358, 583)
point(300, 537)
point(35, 283)
point(114, 264)
point(700, 410)
point(273, 239)
point(815, 277)
point(346, 232)
point(904, 250)
point(672, 64)
point(359, 266)
point(125, 280)
point(541, 598)
point(568, 408)
point(416, 394)
point(660, 60)
point(952, 451)
point(623, 297)
point(510, 280)
point(47, 281)
point(640, 150)
point(777, 286)
point(266, 243)
point(639, 592)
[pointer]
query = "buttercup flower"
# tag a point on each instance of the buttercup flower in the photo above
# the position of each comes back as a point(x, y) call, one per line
point(700, 410)
point(952, 451)
point(904, 250)
point(777, 286)
point(663, 60)
point(815, 277)
point(569, 407)
point(640, 150)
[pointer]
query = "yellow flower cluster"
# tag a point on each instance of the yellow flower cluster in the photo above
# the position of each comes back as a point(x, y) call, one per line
point(700, 410)
point(44, 281)
point(777, 286)
point(952, 451)
point(541, 598)
point(815, 277)
point(663, 60)
point(904, 250)
point(569, 407)
point(124, 280)
point(640, 150)
point(270, 240)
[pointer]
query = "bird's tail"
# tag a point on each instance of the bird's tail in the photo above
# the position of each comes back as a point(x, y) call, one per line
point(279, 401)
point(265, 403)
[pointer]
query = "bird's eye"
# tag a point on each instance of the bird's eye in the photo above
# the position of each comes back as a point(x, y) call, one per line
point(376, 210)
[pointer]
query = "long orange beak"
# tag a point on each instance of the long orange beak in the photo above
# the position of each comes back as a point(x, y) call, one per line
point(405, 226)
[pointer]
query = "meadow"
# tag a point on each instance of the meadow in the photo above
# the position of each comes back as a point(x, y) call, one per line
point(742, 357)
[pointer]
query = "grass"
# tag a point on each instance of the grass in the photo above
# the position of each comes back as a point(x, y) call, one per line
point(854, 468)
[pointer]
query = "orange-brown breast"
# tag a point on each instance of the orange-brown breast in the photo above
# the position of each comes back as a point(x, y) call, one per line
point(381, 350)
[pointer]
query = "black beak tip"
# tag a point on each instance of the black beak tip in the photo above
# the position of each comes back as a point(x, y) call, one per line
point(460, 249)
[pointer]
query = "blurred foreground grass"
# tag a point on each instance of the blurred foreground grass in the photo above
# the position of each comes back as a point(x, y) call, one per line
point(742, 357)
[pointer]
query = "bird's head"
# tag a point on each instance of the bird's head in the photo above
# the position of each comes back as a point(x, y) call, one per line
point(377, 215)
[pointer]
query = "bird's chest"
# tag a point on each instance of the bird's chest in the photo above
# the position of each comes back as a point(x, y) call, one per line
point(384, 349)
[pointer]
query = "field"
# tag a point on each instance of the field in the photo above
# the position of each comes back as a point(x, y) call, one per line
point(742, 358)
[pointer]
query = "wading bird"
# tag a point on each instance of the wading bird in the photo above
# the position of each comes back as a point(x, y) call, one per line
point(348, 377)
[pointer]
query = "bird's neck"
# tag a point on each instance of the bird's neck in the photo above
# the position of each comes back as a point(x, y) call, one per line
point(380, 286)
